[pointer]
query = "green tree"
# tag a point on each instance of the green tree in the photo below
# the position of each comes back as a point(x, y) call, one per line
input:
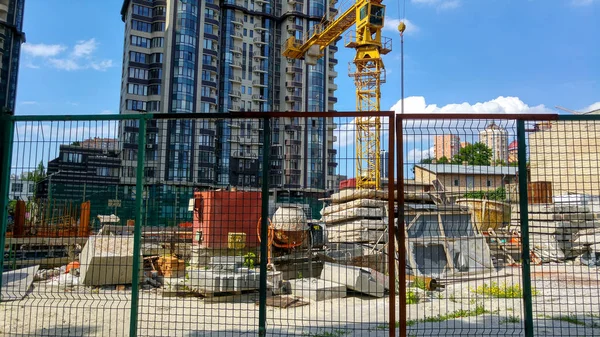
point(473, 154)
point(36, 176)
point(426, 161)
point(443, 160)
point(500, 162)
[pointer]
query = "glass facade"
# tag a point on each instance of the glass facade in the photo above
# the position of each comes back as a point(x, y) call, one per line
point(315, 130)
point(183, 92)
point(11, 37)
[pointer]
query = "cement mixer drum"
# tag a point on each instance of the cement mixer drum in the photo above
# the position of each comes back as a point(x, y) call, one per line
point(290, 226)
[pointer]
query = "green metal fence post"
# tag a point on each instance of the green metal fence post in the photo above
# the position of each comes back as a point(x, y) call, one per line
point(524, 215)
point(7, 129)
point(137, 238)
point(264, 234)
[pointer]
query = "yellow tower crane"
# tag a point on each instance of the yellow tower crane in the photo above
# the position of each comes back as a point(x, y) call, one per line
point(368, 72)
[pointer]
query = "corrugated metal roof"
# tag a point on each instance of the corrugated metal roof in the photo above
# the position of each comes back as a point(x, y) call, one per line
point(469, 169)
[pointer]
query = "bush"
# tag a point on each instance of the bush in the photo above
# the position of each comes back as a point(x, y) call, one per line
point(498, 194)
point(502, 291)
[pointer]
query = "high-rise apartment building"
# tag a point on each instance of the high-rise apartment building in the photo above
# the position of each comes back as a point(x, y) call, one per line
point(214, 56)
point(384, 171)
point(446, 146)
point(11, 38)
point(496, 138)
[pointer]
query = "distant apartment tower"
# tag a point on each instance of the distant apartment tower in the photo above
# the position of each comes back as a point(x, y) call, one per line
point(496, 138)
point(513, 152)
point(446, 146)
point(192, 56)
point(384, 169)
point(11, 38)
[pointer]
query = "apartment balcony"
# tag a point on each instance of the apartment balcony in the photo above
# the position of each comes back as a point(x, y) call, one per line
point(332, 164)
point(257, 40)
point(244, 154)
point(235, 107)
point(236, 79)
point(332, 86)
point(238, 21)
point(332, 126)
point(333, 60)
point(293, 84)
point(289, 156)
point(258, 98)
point(333, 10)
point(293, 98)
point(261, 1)
point(235, 93)
point(257, 83)
point(293, 142)
point(237, 50)
point(333, 139)
point(236, 64)
point(234, 125)
point(274, 171)
point(258, 55)
point(260, 69)
point(332, 99)
point(292, 127)
point(293, 69)
point(292, 2)
point(237, 35)
point(332, 73)
point(332, 151)
point(292, 172)
point(259, 27)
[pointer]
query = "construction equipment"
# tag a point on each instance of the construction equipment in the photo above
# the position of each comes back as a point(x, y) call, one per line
point(367, 69)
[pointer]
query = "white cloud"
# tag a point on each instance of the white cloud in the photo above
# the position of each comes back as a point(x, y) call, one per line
point(85, 48)
point(582, 2)
point(391, 24)
point(500, 105)
point(29, 102)
point(416, 155)
point(439, 4)
point(42, 50)
point(593, 107)
point(82, 56)
point(107, 112)
point(422, 130)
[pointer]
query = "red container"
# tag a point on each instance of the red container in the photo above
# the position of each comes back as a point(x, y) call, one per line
point(348, 183)
point(218, 213)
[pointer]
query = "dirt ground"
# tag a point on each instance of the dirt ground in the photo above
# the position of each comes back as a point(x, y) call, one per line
point(567, 303)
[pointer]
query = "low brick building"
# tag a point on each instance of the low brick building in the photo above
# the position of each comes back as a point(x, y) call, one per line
point(463, 178)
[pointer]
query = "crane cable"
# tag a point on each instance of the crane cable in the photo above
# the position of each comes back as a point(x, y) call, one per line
point(401, 29)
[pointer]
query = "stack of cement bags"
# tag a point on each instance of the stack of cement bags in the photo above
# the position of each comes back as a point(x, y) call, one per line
point(560, 231)
point(356, 216)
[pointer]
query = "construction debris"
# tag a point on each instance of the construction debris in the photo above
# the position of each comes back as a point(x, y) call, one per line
point(317, 289)
point(17, 283)
point(362, 280)
point(285, 302)
point(107, 260)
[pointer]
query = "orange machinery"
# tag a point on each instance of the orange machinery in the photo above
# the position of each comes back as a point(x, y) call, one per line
point(65, 225)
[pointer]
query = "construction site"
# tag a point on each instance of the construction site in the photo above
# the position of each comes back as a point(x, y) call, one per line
point(368, 233)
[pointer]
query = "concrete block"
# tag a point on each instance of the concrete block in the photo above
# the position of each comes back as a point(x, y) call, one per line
point(228, 263)
point(317, 289)
point(107, 260)
point(208, 281)
point(16, 283)
point(374, 236)
point(359, 279)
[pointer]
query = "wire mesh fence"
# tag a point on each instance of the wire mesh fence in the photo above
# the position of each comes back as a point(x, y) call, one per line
point(225, 235)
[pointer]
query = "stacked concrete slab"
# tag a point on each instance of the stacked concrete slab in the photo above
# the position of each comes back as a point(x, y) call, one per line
point(107, 260)
point(356, 216)
point(559, 231)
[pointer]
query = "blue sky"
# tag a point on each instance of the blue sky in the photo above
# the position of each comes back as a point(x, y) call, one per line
point(544, 52)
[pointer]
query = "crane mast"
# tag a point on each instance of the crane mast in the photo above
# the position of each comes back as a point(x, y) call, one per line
point(368, 72)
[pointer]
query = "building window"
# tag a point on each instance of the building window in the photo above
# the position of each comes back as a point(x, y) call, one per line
point(102, 171)
point(158, 42)
point(456, 182)
point(158, 27)
point(138, 57)
point(137, 89)
point(141, 26)
point(156, 58)
point(31, 188)
point(17, 187)
point(143, 11)
point(154, 89)
point(159, 11)
point(155, 74)
point(153, 106)
point(138, 73)
point(140, 41)
point(489, 183)
point(136, 105)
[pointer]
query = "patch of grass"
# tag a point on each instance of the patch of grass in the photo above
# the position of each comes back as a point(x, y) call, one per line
point(510, 319)
point(333, 333)
point(502, 291)
point(452, 298)
point(411, 297)
point(419, 282)
point(569, 319)
point(479, 310)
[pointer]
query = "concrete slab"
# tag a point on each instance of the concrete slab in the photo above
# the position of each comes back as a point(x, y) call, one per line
point(226, 263)
point(107, 260)
point(317, 289)
point(208, 281)
point(359, 279)
point(16, 283)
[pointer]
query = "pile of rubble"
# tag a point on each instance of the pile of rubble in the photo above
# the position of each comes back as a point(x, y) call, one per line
point(356, 216)
point(561, 231)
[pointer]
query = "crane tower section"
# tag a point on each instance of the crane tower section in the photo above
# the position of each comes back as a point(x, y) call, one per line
point(368, 72)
